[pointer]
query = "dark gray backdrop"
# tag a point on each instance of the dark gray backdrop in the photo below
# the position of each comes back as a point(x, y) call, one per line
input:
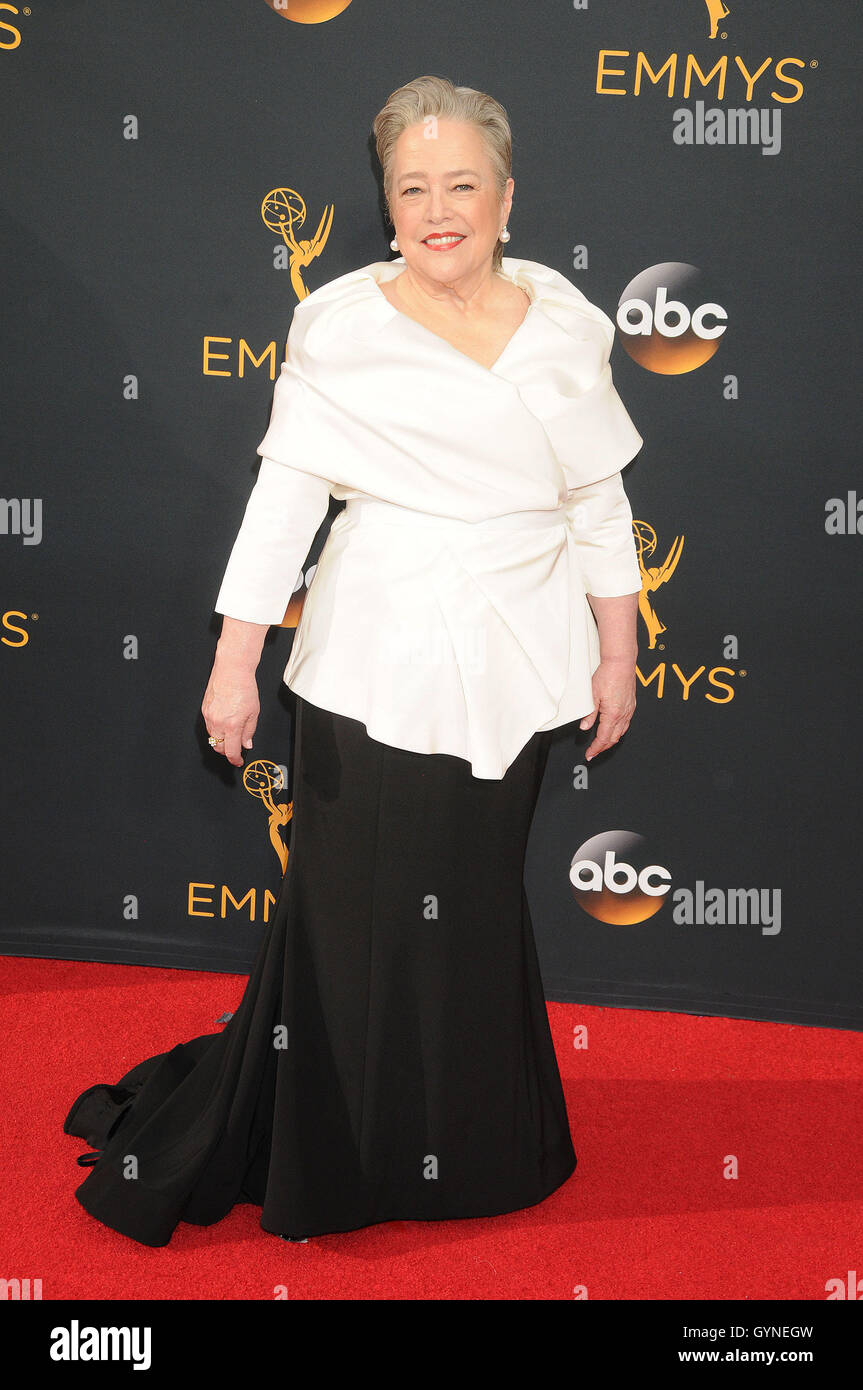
point(121, 256)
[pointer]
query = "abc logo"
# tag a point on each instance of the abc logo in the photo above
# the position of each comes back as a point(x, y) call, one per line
point(667, 320)
point(614, 880)
point(308, 11)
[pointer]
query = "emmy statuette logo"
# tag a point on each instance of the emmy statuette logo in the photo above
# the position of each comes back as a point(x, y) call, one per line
point(261, 779)
point(284, 211)
point(652, 576)
point(715, 12)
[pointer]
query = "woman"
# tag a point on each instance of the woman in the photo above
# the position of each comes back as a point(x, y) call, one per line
point(391, 1056)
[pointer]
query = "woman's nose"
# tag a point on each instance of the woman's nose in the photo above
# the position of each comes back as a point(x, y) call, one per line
point(437, 202)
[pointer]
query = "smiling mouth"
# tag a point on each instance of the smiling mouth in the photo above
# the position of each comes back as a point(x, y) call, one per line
point(443, 239)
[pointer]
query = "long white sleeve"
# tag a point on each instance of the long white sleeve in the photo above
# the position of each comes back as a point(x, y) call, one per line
point(284, 511)
point(602, 525)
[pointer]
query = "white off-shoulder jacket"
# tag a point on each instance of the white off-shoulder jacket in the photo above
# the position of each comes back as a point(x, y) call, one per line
point(448, 611)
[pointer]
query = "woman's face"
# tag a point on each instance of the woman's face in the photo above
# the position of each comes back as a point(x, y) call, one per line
point(443, 184)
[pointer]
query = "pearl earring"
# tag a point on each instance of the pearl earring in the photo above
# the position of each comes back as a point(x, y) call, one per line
point(504, 236)
point(394, 245)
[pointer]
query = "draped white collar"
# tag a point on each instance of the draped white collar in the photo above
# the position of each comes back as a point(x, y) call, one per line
point(382, 271)
point(559, 300)
point(372, 399)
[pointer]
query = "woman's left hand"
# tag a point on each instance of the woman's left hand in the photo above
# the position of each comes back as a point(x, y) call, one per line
point(614, 702)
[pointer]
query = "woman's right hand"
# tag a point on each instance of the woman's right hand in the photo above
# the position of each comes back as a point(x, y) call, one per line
point(231, 707)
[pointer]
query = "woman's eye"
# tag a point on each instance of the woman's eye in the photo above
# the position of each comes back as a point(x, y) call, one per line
point(414, 189)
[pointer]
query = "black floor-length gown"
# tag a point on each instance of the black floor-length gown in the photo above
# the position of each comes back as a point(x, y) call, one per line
point(391, 1057)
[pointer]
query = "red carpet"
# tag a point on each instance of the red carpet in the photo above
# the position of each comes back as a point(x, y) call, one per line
point(657, 1101)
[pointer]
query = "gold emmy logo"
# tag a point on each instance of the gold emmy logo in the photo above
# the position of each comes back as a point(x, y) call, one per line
point(652, 576)
point(261, 778)
point(308, 11)
point(715, 11)
point(282, 211)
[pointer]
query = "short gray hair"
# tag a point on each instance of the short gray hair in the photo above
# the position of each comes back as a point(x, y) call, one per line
point(437, 96)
